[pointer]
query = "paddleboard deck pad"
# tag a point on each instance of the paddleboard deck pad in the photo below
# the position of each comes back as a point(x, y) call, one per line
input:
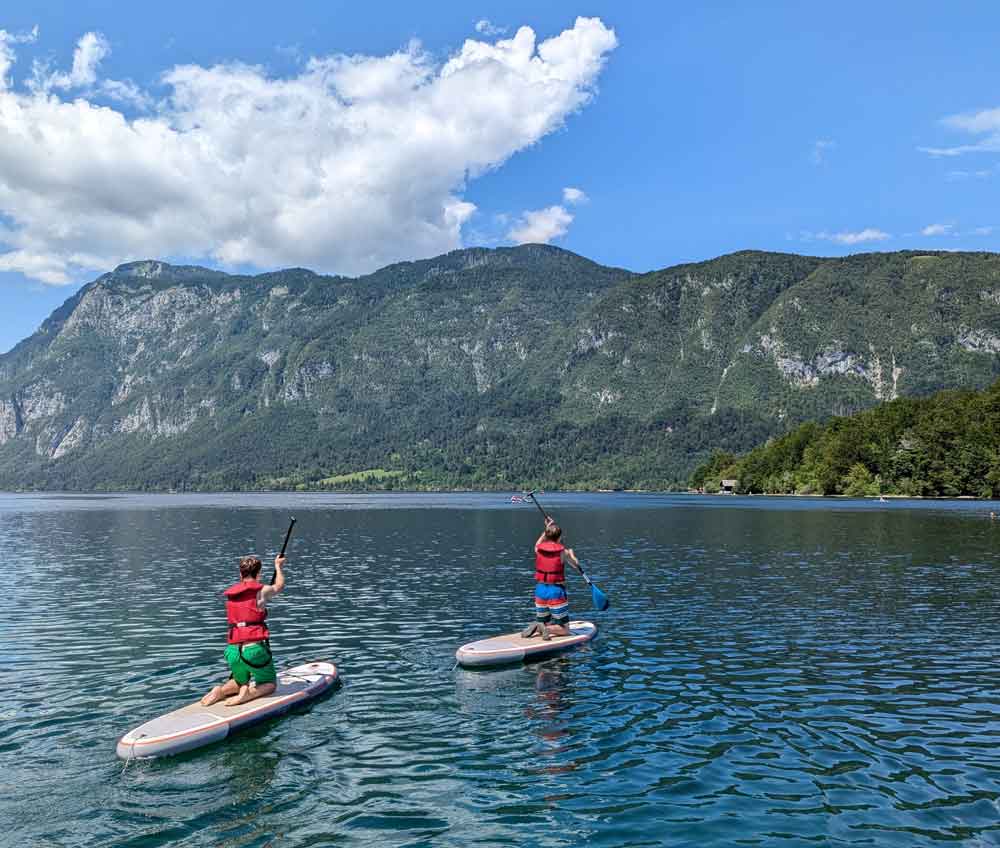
point(194, 725)
point(512, 647)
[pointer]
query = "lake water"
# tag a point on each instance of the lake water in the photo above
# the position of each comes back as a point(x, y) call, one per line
point(772, 671)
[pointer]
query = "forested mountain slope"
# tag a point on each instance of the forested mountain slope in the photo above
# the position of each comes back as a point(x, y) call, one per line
point(483, 368)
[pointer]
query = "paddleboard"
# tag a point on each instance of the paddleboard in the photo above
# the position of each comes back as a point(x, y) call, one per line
point(512, 647)
point(194, 725)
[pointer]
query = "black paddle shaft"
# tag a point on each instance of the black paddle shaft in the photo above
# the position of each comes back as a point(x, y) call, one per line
point(534, 500)
point(284, 545)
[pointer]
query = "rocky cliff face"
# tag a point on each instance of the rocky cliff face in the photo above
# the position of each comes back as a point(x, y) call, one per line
point(157, 375)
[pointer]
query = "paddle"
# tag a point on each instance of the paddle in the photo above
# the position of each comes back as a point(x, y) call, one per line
point(599, 599)
point(284, 545)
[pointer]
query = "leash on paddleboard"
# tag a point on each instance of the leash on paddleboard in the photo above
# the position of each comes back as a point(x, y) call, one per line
point(599, 599)
point(284, 545)
point(131, 753)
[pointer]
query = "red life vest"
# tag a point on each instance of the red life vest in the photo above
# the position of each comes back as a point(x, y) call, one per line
point(246, 620)
point(549, 566)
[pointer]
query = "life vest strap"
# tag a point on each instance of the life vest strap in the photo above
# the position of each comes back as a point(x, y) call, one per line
point(236, 624)
point(267, 646)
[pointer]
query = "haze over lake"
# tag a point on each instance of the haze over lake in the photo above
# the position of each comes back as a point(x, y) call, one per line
point(772, 671)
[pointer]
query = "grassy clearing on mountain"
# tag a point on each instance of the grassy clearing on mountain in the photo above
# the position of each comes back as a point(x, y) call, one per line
point(368, 476)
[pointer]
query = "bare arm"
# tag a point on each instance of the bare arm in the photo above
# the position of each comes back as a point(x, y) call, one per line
point(570, 557)
point(269, 592)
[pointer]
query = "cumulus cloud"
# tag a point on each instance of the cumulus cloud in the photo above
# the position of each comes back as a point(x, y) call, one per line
point(540, 226)
point(937, 229)
point(90, 50)
point(487, 27)
point(353, 163)
point(985, 123)
point(574, 196)
point(858, 237)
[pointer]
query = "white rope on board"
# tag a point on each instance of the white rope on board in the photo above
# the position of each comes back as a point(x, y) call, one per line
point(131, 752)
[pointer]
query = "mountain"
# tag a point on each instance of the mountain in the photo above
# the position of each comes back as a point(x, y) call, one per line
point(481, 368)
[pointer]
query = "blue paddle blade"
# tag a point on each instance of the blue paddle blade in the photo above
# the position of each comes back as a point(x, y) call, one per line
point(599, 598)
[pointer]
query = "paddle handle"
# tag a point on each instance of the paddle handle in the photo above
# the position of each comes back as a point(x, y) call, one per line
point(288, 536)
point(284, 545)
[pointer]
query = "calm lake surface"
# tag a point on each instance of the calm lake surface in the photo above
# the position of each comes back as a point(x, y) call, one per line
point(772, 671)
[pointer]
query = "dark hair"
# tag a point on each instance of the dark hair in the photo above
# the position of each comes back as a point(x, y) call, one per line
point(249, 567)
point(553, 532)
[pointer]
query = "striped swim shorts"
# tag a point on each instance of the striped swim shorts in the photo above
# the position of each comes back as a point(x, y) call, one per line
point(551, 603)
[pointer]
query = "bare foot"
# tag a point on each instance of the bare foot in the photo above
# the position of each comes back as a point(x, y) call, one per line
point(212, 697)
point(558, 630)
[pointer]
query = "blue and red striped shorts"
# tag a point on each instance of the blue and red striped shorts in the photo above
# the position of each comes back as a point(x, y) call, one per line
point(551, 603)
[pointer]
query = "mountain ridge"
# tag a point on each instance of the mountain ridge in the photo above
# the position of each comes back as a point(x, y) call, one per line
point(486, 368)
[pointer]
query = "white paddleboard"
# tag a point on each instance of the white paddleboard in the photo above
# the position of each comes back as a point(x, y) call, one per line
point(195, 725)
point(512, 647)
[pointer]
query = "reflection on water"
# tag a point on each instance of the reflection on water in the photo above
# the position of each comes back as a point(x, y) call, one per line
point(547, 715)
point(772, 671)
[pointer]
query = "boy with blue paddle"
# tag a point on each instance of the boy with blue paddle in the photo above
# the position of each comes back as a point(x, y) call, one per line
point(551, 601)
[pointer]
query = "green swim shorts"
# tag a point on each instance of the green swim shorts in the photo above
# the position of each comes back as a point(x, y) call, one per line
point(255, 659)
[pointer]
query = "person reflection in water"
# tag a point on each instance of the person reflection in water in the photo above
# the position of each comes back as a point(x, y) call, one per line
point(549, 723)
point(248, 653)
point(551, 602)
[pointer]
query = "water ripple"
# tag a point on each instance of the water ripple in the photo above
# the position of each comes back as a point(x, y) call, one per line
point(789, 673)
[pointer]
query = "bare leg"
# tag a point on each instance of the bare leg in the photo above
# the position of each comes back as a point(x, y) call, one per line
point(217, 693)
point(248, 693)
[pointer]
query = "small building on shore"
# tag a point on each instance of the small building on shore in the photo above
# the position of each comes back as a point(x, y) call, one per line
point(728, 487)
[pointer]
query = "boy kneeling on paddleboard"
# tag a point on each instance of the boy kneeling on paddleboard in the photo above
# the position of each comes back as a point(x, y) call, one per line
point(551, 603)
point(248, 653)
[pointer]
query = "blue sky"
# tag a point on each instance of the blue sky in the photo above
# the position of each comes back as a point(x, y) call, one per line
point(683, 131)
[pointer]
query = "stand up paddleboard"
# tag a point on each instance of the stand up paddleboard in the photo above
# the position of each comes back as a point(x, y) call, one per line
point(194, 725)
point(512, 647)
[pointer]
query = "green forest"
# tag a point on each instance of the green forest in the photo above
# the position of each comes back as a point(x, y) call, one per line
point(945, 445)
point(496, 369)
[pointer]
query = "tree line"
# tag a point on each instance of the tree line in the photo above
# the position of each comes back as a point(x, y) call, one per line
point(945, 445)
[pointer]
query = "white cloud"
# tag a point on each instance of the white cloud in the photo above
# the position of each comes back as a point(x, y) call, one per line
point(126, 91)
point(574, 196)
point(982, 231)
point(90, 50)
point(987, 120)
point(937, 229)
point(820, 149)
point(487, 27)
point(984, 123)
point(353, 163)
point(7, 53)
point(980, 174)
point(857, 237)
point(540, 226)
